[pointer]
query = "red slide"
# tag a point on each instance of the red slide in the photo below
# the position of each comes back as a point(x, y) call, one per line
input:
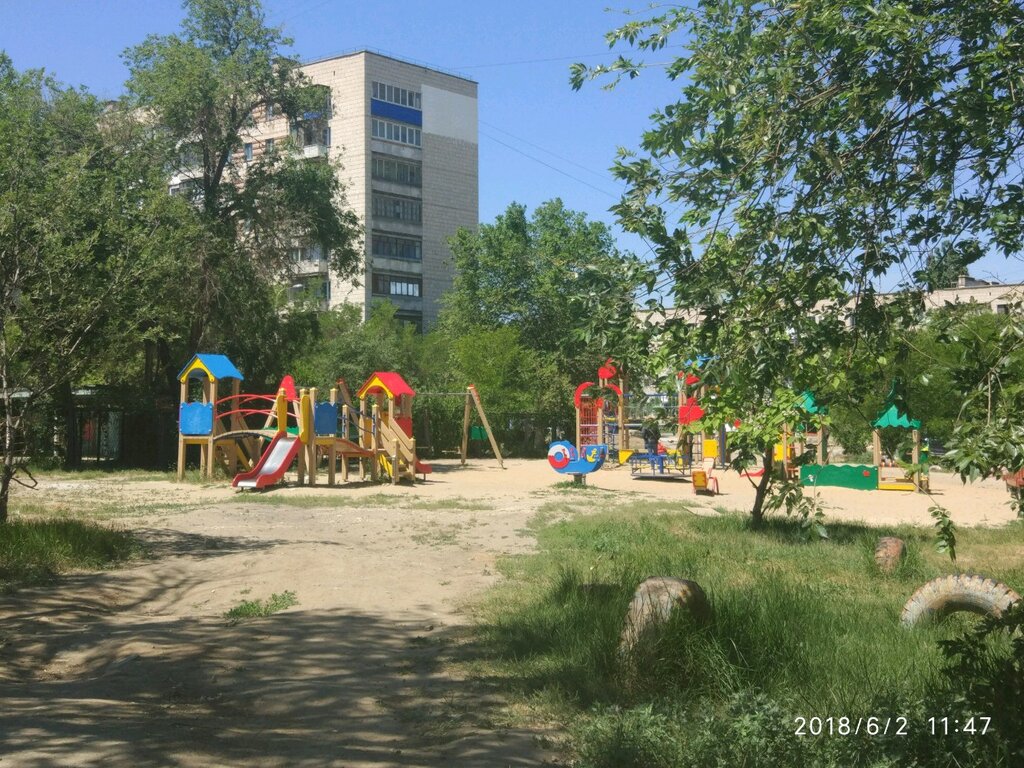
point(273, 463)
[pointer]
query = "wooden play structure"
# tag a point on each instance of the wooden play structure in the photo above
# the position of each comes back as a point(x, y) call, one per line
point(258, 437)
point(601, 420)
point(812, 431)
point(694, 442)
point(891, 416)
point(881, 475)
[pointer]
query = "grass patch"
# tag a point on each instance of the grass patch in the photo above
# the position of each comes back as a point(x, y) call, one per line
point(799, 628)
point(254, 609)
point(278, 499)
point(27, 507)
point(456, 504)
point(35, 551)
point(120, 475)
point(571, 486)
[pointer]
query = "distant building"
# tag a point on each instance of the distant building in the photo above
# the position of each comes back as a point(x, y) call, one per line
point(408, 139)
point(995, 297)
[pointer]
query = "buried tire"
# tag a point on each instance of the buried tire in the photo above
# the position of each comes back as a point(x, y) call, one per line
point(963, 592)
point(889, 553)
point(653, 603)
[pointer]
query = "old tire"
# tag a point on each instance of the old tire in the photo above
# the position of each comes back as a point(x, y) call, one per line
point(889, 553)
point(963, 592)
point(655, 600)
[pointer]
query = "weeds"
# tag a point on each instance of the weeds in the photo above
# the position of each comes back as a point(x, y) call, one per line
point(309, 501)
point(800, 626)
point(254, 609)
point(35, 551)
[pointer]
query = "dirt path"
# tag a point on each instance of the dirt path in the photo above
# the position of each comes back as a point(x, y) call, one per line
point(139, 667)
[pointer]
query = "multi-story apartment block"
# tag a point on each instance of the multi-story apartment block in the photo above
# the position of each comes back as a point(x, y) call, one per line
point(407, 138)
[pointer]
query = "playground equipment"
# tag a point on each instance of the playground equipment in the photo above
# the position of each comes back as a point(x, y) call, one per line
point(392, 428)
point(600, 421)
point(704, 480)
point(693, 441)
point(198, 422)
point(812, 431)
point(566, 460)
point(264, 435)
point(869, 478)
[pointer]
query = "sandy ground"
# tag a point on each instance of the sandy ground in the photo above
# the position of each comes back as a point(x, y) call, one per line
point(139, 667)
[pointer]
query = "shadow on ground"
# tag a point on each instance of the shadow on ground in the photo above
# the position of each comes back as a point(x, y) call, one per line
point(90, 677)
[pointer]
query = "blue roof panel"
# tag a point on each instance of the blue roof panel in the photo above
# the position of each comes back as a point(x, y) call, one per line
point(218, 365)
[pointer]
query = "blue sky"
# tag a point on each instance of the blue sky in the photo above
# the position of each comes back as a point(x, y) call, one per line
point(538, 138)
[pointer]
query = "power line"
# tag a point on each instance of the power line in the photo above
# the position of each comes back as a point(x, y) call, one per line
point(602, 176)
point(561, 58)
point(548, 165)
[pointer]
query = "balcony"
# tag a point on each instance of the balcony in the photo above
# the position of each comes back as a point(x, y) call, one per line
point(315, 150)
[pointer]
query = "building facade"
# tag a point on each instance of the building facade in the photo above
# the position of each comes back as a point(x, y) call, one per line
point(407, 138)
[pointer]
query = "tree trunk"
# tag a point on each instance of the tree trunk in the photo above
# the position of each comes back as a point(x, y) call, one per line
point(757, 513)
point(9, 466)
point(6, 475)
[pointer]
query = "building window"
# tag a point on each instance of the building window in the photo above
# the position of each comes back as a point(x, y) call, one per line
point(391, 247)
point(1002, 309)
point(396, 95)
point(313, 254)
point(189, 188)
point(411, 317)
point(248, 153)
point(268, 146)
point(396, 285)
point(325, 136)
point(398, 208)
point(397, 132)
point(399, 171)
point(270, 112)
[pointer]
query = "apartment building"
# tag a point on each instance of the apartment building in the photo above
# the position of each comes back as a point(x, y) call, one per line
point(991, 296)
point(407, 137)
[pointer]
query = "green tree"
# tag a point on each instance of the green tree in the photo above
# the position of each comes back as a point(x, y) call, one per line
point(201, 90)
point(83, 214)
point(537, 274)
point(816, 148)
point(345, 347)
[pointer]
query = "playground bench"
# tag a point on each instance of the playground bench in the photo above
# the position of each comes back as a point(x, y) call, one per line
point(657, 463)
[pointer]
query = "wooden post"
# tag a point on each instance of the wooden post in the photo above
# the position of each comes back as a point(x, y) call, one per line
point(623, 416)
point(876, 448)
point(785, 451)
point(394, 461)
point(311, 449)
point(487, 425)
point(281, 411)
point(361, 423)
point(915, 457)
point(181, 437)
point(465, 430)
point(235, 423)
point(819, 453)
point(214, 429)
point(303, 405)
point(377, 444)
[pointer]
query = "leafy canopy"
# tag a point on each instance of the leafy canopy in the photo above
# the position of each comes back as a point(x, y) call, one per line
point(202, 90)
point(815, 149)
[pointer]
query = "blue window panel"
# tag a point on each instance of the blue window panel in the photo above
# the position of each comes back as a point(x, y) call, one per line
point(325, 419)
point(397, 112)
point(196, 418)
